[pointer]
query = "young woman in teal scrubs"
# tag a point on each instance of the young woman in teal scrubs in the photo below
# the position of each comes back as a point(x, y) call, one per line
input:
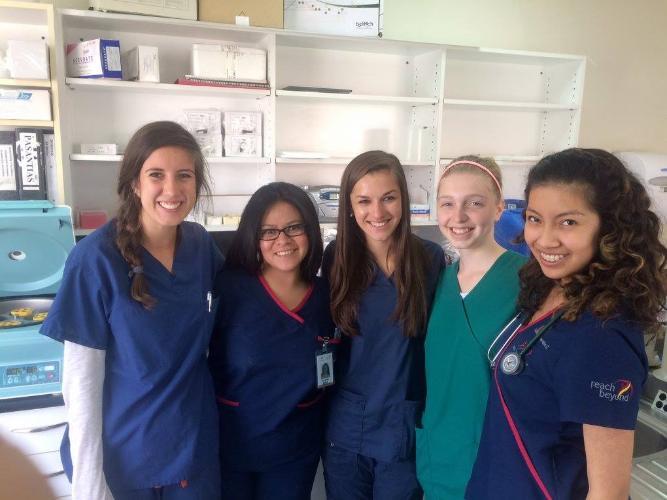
point(475, 298)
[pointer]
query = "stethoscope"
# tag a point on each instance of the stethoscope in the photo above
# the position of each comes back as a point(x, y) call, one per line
point(513, 363)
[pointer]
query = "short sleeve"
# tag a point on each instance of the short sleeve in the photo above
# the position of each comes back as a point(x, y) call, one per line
point(599, 377)
point(78, 313)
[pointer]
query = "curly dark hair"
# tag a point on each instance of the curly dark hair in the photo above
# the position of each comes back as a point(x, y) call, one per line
point(627, 272)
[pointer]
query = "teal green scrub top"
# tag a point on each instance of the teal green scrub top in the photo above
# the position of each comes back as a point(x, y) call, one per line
point(460, 331)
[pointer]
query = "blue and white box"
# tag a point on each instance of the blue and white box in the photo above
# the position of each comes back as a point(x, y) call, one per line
point(25, 104)
point(97, 58)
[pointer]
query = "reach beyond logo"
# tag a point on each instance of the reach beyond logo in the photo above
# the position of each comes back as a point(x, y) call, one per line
point(621, 390)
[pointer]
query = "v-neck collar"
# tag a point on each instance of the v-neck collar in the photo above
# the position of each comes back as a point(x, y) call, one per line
point(290, 312)
point(177, 252)
point(482, 279)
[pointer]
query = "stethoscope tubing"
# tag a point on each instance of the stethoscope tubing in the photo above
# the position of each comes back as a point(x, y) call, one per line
point(512, 363)
point(492, 360)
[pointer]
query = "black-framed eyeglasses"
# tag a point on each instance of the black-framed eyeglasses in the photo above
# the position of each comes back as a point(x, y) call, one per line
point(292, 230)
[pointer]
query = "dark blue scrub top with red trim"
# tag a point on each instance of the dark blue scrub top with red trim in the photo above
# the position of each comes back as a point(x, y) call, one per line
point(159, 413)
point(583, 372)
point(380, 386)
point(262, 359)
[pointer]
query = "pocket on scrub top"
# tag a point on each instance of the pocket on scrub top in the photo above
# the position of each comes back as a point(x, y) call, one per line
point(409, 411)
point(346, 419)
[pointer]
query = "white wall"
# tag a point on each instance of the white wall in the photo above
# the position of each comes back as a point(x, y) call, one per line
point(625, 99)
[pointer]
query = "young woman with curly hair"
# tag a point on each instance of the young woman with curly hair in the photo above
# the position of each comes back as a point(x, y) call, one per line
point(566, 383)
point(135, 311)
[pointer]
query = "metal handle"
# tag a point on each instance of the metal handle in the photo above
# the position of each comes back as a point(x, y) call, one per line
point(28, 430)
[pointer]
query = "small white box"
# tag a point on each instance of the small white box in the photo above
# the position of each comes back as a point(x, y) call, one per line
point(94, 59)
point(213, 220)
point(28, 59)
point(243, 122)
point(228, 62)
point(141, 64)
point(243, 145)
point(99, 149)
point(25, 104)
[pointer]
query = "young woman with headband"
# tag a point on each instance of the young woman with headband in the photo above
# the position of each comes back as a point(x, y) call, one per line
point(475, 296)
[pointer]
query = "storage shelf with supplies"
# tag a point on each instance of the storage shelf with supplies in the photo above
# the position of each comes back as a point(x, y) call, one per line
point(163, 88)
point(32, 24)
point(209, 159)
point(409, 100)
point(27, 123)
point(10, 82)
point(432, 102)
point(508, 105)
point(339, 161)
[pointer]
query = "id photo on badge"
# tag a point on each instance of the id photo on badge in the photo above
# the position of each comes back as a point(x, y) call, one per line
point(325, 373)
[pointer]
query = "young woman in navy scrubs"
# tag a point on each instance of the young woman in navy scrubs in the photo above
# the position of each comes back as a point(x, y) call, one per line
point(135, 311)
point(272, 324)
point(382, 281)
point(566, 385)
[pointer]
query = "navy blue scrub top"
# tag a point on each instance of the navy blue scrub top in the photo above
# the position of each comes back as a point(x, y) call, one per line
point(159, 412)
point(380, 387)
point(263, 364)
point(583, 372)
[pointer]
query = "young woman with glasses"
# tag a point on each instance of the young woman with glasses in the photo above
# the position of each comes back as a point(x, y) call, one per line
point(273, 322)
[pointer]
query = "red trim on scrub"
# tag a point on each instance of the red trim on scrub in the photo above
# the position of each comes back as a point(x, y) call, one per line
point(510, 420)
point(309, 292)
point(311, 402)
point(537, 320)
point(228, 402)
point(332, 340)
point(282, 306)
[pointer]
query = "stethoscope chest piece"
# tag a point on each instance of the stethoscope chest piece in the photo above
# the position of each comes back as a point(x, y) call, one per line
point(511, 363)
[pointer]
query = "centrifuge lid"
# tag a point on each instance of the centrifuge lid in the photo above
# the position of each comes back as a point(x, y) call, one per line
point(35, 238)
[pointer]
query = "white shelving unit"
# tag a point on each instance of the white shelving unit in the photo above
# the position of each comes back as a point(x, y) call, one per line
point(422, 102)
point(35, 21)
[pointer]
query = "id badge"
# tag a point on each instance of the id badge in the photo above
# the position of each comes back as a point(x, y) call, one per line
point(324, 367)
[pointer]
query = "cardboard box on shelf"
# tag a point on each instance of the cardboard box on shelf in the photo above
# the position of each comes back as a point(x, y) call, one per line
point(349, 17)
point(28, 59)
point(25, 104)
point(228, 62)
point(266, 13)
point(92, 219)
point(181, 9)
point(8, 186)
point(141, 64)
point(31, 174)
point(94, 59)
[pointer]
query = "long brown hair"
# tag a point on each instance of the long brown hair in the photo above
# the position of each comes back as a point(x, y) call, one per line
point(627, 273)
point(129, 233)
point(352, 270)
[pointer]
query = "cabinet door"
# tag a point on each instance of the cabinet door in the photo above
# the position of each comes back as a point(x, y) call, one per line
point(34, 431)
